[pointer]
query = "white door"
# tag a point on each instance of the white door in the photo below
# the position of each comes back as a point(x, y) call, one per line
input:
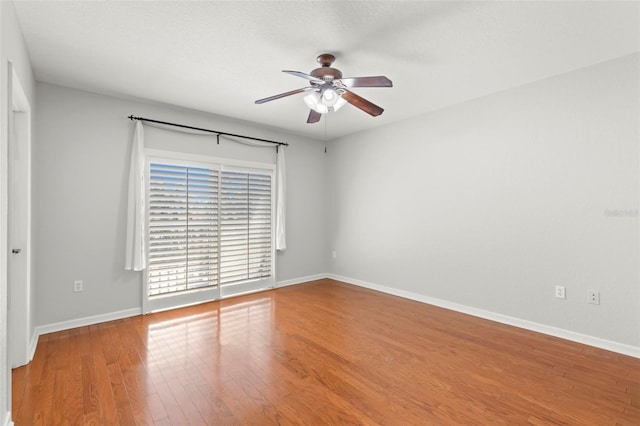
point(19, 218)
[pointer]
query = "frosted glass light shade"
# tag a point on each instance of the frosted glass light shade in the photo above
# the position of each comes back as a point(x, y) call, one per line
point(339, 103)
point(327, 100)
point(314, 101)
point(329, 97)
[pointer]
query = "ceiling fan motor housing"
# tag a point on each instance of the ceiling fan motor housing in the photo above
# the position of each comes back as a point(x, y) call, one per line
point(326, 73)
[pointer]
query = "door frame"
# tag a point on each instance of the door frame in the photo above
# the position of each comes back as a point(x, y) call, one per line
point(19, 224)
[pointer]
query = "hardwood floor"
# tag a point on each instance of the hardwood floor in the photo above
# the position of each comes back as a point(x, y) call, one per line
point(320, 353)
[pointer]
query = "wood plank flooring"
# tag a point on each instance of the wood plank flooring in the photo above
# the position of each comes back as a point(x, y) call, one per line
point(320, 353)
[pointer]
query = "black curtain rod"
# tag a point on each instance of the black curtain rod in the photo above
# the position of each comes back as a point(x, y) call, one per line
point(132, 117)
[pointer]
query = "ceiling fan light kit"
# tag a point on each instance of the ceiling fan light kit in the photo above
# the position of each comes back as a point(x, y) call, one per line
point(329, 91)
point(314, 101)
point(330, 100)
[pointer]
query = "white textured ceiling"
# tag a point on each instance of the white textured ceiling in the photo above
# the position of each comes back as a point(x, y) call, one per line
point(220, 56)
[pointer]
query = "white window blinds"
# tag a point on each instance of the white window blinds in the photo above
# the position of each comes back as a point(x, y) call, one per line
point(183, 228)
point(245, 226)
point(208, 226)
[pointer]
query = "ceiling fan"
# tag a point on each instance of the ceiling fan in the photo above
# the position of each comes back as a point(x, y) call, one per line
point(329, 91)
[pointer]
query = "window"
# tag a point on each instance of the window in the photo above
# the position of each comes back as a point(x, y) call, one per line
point(183, 228)
point(245, 228)
point(209, 231)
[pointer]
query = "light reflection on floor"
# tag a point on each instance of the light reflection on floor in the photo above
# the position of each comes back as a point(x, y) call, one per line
point(233, 330)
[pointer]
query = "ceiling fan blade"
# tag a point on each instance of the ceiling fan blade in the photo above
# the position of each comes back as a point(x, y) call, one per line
point(305, 76)
point(314, 117)
point(282, 95)
point(360, 102)
point(377, 81)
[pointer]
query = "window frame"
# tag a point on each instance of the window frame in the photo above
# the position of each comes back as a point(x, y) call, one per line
point(206, 294)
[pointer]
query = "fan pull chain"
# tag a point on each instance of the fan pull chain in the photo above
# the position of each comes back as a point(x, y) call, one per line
point(326, 118)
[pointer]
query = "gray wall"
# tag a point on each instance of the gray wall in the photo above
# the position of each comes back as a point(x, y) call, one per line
point(81, 159)
point(493, 202)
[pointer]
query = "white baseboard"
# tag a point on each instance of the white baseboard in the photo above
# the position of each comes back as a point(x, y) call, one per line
point(81, 322)
point(301, 280)
point(504, 319)
point(7, 419)
point(96, 319)
point(32, 345)
point(492, 316)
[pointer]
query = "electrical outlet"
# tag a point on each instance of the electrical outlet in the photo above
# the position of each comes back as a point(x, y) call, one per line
point(560, 292)
point(77, 286)
point(334, 254)
point(594, 297)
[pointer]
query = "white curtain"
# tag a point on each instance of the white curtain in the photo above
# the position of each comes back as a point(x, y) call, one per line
point(281, 239)
point(281, 179)
point(135, 251)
